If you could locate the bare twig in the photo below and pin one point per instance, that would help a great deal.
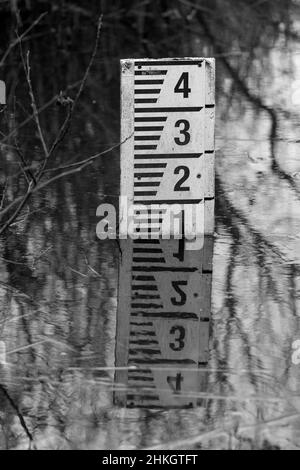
(34, 188)
(40, 110)
(10, 261)
(77, 272)
(22, 167)
(24, 199)
(90, 267)
(3, 195)
(19, 414)
(195, 6)
(78, 167)
(41, 255)
(33, 183)
(72, 104)
(84, 79)
(20, 38)
(93, 157)
(27, 70)
(29, 176)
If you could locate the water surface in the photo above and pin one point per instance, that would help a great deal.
(58, 282)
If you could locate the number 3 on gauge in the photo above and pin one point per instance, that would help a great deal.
(184, 127)
(178, 343)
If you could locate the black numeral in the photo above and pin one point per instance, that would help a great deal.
(178, 344)
(186, 173)
(180, 253)
(184, 132)
(175, 383)
(176, 286)
(183, 85)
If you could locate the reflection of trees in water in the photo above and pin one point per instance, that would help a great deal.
(69, 276)
(254, 325)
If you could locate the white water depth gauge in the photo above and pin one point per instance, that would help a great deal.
(167, 166)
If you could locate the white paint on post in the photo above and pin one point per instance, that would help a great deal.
(167, 158)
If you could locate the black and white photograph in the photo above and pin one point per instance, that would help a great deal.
(149, 228)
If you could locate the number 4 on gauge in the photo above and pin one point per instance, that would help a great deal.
(183, 85)
(175, 383)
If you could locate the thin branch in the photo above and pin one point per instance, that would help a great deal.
(72, 104)
(24, 166)
(77, 272)
(40, 110)
(90, 267)
(33, 184)
(14, 290)
(19, 414)
(24, 199)
(93, 157)
(59, 138)
(85, 77)
(80, 166)
(73, 171)
(3, 195)
(10, 261)
(22, 169)
(34, 188)
(196, 7)
(27, 70)
(19, 38)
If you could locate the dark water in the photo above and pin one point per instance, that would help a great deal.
(58, 282)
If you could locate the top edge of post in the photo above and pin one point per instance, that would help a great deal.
(149, 59)
(173, 60)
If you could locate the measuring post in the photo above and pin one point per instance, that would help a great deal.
(167, 180)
